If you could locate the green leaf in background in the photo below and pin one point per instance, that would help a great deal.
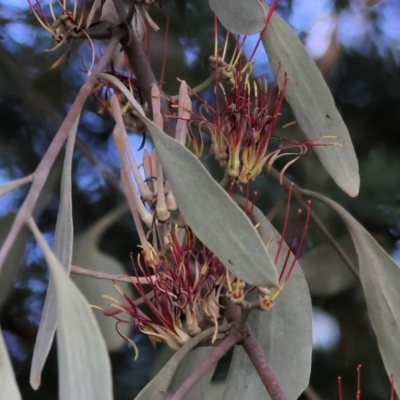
(284, 334)
(312, 103)
(238, 16)
(63, 239)
(380, 279)
(325, 271)
(215, 219)
(87, 254)
(8, 386)
(84, 366)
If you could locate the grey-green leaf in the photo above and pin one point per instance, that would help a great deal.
(84, 366)
(380, 279)
(215, 219)
(238, 16)
(284, 334)
(63, 240)
(312, 103)
(9, 388)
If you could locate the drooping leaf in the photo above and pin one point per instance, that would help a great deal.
(87, 254)
(325, 272)
(238, 16)
(8, 386)
(215, 219)
(84, 366)
(312, 103)
(284, 334)
(380, 279)
(63, 249)
(157, 388)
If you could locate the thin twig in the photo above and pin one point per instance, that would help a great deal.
(233, 337)
(42, 171)
(257, 356)
(111, 277)
(197, 89)
(298, 192)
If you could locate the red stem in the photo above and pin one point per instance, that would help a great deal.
(257, 356)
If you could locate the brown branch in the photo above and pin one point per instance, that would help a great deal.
(257, 356)
(233, 337)
(141, 68)
(42, 171)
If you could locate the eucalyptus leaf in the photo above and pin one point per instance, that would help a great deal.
(215, 219)
(8, 386)
(157, 388)
(380, 279)
(312, 103)
(238, 16)
(63, 240)
(84, 366)
(284, 333)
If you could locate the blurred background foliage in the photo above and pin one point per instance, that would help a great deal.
(358, 51)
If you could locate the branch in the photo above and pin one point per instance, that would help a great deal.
(257, 356)
(111, 277)
(141, 68)
(233, 337)
(42, 171)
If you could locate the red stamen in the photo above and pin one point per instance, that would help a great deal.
(391, 386)
(286, 220)
(148, 45)
(302, 239)
(255, 196)
(267, 21)
(165, 46)
(290, 246)
(340, 389)
(358, 395)
(216, 55)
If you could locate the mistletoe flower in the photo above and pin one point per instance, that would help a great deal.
(185, 285)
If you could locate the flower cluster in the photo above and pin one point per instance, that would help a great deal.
(243, 129)
(181, 287)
